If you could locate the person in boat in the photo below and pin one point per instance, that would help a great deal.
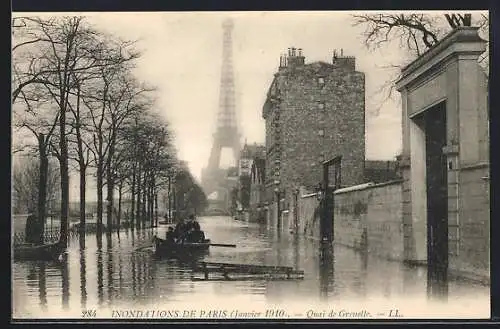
(180, 230)
(196, 235)
(186, 230)
(193, 223)
(170, 236)
(32, 231)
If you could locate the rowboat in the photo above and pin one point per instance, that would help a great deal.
(173, 250)
(50, 251)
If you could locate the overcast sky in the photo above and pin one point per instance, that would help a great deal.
(182, 57)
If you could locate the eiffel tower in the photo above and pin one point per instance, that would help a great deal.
(226, 134)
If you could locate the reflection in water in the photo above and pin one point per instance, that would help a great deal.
(134, 283)
(100, 292)
(360, 276)
(65, 281)
(42, 286)
(83, 275)
(326, 271)
(136, 276)
(296, 251)
(120, 268)
(437, 284)
(363, 273)
(109, 267)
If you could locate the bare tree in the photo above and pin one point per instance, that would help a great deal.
(128, 98)
(113, 54)
(84, 76)
(26, 183)
(64, 50)
(148, 163)
(36, 115)
(415, 33)
(119, 96)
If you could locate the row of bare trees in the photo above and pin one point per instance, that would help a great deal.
(74, 91)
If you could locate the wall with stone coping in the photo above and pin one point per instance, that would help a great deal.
(368, 217)
(470, 255)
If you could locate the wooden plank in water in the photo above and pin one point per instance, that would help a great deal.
(234, 265)
(248, 270)
(248, 278)
(223, 245)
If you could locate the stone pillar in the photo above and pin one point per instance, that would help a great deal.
(449, 73)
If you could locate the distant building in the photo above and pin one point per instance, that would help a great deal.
(257, 187)
(250, 154)
(313, 112)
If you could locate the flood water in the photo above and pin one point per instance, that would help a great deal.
(119, 271)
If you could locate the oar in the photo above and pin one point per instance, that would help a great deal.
(223, 245)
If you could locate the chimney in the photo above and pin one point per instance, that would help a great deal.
(295, 57)
(343, 62)
(283, 62)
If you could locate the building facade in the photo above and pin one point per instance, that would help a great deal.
(258, 209)
(248, 155)
(313, 112)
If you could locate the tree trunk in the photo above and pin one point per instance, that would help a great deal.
(81, 163)
(174, 203)
(151, 206)
(109, 198)
(143, 204)
(169, 198)
(147, 200)
(99, 195)
(132, 195)
(82, 196)
(110, 176)
(156, 208)
(138, 212)
(118, 217)
(64, 177)
(42, 186)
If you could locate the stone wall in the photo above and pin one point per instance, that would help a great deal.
(322, 120)
(471, 253)
(367, 217)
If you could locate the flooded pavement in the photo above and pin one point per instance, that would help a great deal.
(119, 271)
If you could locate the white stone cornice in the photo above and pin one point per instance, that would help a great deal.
(463, 40)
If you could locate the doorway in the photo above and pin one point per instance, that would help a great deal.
(434, 121)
